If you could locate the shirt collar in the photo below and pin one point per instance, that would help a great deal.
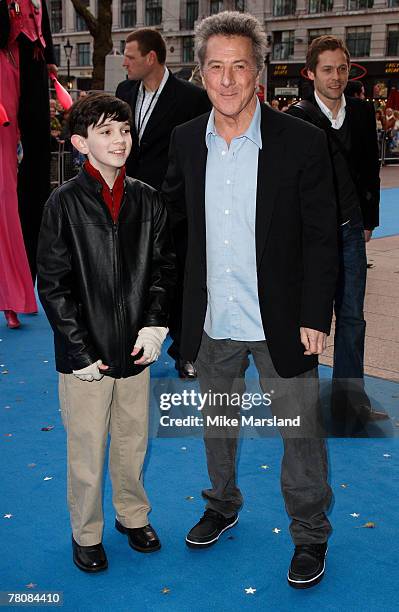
(327, 111)
(252, 133)
(160, 86)
(99, 177)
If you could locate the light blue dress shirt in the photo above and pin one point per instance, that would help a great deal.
(230, 209)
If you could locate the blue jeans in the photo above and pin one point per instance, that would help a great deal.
(350, 329)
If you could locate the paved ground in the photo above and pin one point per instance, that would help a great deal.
(382, 301)
(389, 176)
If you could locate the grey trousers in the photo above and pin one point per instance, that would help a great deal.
(90, 411)
(221, 366)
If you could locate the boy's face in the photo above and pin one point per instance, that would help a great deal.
(107, 144)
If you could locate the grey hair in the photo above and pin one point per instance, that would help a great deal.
(231, 23)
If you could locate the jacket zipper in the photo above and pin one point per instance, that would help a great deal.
(120, 310)
(119, 305)
(113, 203)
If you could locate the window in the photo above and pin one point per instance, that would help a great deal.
(215, 6)
(359, 5)
(393, 3)
(320, 6)
(188, 49)
(284, 7)
(312, 34)
(128, 13)
(79, 21)
(84, 58)
(57, 54)
(153, 12)
(122, 45)
(358, 41)
(191, 14)
(240, 5)
(393, 40)
(56, 16)
(283, 45)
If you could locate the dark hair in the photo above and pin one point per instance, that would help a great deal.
(95, 109)
(321, 44)
(353, 88)
(149, 40)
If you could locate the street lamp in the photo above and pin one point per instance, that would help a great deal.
(68, 53)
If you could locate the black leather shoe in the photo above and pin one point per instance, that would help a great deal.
(209, 529)
(89, 558)
(307, 565)
(186, 369)
(143, 539)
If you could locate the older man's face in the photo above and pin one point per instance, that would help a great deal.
(230, 74)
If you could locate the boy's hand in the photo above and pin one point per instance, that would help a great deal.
(91, 372)
(150, 340)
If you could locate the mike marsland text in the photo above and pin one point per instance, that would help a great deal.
(224, 421)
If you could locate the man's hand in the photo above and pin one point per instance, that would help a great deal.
(367, 235)
(52, 69)
(149, 339)
(313, 340)
(91, 372)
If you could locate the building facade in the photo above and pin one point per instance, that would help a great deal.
(369, 27)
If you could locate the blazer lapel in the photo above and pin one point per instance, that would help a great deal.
(198, 177)
(135, 93)
(165, 102)
(270, 166)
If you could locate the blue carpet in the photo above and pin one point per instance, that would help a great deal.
(35, 541)
(389, 217)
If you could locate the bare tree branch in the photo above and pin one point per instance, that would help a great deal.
(86, 14)
(101, 30)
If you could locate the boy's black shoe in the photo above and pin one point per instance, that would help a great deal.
(89, 558)
(143, 539)
(307, 565)
(209, 529)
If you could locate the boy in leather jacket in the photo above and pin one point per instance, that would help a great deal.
(105, 276)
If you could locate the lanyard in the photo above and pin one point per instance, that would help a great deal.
(141, 120)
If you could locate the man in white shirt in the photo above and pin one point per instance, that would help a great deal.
(350, 127)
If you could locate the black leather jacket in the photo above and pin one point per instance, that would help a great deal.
(100, 282)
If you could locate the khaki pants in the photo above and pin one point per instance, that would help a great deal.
(91, 411)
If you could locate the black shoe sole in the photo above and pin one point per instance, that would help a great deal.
(306, 584)
(124, 531)
(191, 544)
(89, 570)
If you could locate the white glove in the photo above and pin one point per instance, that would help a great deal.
(150, 339)
(90, 372)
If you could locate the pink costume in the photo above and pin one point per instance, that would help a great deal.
(16, 289)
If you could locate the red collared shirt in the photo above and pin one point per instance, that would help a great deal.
(112, 197)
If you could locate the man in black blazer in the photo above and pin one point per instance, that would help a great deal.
(255, 187)
(351, 131)
(159, 103)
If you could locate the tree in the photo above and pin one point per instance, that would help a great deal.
(100, 28)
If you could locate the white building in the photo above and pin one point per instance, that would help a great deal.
(370, 28)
